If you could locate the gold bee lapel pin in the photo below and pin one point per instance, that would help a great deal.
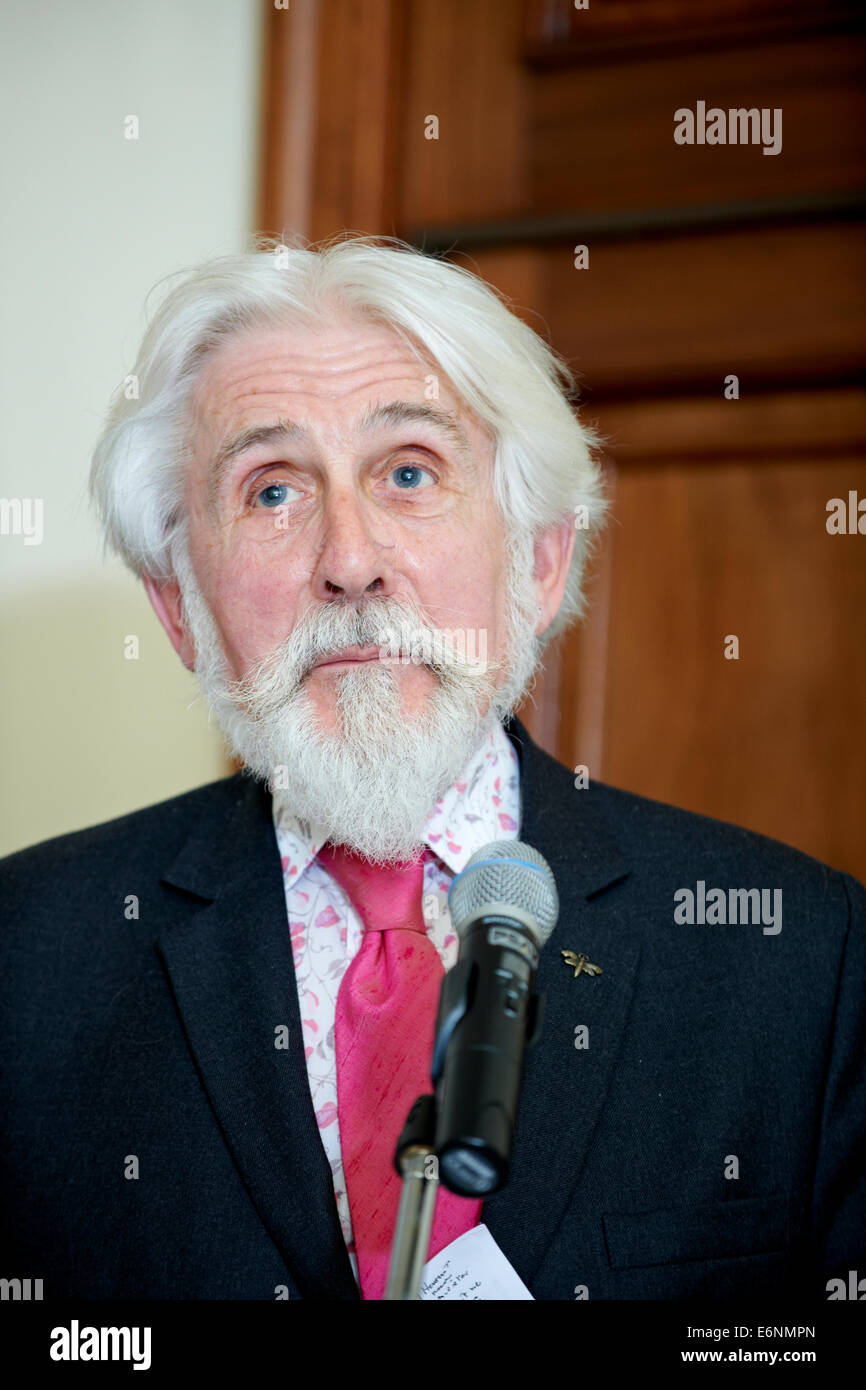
(580, 963)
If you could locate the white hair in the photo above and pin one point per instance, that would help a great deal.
(544, 471)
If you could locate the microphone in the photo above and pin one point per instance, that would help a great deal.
(504, 906)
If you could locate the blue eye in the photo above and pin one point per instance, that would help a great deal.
(274, 495)
(408, 475)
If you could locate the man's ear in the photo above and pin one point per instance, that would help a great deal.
(554, 548)
(164, 595)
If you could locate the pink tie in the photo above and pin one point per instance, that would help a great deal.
(385, 1021)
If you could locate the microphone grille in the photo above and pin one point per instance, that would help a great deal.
(506, 873)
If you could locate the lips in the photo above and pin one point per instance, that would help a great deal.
(356, 655)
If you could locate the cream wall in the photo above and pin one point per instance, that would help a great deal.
(92, 221)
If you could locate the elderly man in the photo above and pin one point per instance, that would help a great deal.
(360, 501)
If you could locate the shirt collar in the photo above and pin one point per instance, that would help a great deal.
(481, 806)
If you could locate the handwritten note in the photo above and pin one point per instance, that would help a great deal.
(472, 1266)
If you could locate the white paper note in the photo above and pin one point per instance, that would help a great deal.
(472, 1266)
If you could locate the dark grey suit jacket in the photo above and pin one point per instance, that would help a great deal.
(712, 1050)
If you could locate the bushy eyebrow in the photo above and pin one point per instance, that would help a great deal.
(413, 412)
(282, 431)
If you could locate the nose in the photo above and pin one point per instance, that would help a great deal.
(353, 561)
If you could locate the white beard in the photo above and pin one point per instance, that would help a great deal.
(373, 785)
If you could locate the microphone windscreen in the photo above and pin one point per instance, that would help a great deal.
(502, 876)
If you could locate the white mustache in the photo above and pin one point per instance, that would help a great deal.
(325, 632)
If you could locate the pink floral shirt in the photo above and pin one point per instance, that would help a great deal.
(483, 805)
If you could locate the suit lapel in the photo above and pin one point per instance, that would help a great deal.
(233, 977)
(564, 1088)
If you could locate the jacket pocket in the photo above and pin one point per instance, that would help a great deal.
(717, 1231)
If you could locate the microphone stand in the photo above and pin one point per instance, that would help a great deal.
(417, 1202)
(417, 1146)
(505, 942)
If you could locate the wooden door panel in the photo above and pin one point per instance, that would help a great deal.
(776, 739)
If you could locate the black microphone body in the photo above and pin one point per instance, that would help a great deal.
(489, 1012)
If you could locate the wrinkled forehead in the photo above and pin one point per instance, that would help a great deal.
(337, 379)
(336, 360)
